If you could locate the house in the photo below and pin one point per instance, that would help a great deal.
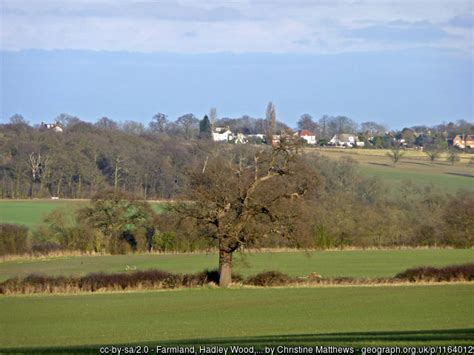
(241, 139)
(308, 136)
(346, 140)
(464, 141)
(54, 126)
(222, 134)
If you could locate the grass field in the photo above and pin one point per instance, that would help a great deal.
(32, 212)
(441, 314)
(413, 166)
(355, 263)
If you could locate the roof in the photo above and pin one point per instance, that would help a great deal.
(462, 136)
(344, 137)
(305, 132)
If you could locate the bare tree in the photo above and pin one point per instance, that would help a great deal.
(270, 120)
(432, 153)
(213, 116)
(158, 123)
(39, 166)
(242, 196)
(453, 156)
(189, 123)
(306, 122)
(395, 154)
(117, 169)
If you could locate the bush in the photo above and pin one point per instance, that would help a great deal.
(269, 278)
(13, 239)
(464, 272)
(46, 248)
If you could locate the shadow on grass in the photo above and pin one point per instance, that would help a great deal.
(463, 175)
(357, 339)
(381, 164)
(415, 163)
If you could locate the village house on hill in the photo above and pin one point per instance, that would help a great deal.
(53, 126)
(308, 136)
(346, 140)
(464, 141)
(222, 134)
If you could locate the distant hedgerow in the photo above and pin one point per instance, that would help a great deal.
(463, 272)
(270, 278)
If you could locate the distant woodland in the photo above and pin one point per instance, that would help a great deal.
(329, 205)
(151, 162)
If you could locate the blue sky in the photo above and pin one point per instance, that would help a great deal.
(398, 62)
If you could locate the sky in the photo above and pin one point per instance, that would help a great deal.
(400, 63)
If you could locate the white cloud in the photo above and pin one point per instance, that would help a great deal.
(236, 26)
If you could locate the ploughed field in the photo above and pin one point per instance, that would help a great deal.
(350, 263)
(360, 316)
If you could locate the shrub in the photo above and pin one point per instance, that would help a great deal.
(46, 248)
(148, 279)
(13, 239)
(269, 278)
(463, 272)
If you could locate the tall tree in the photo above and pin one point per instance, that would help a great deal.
(323, 127)
(158, 123)
(189, 123)
(373, 128)
(213, 116)
(270, 120)
(306, 122)
(18, 119)
(205, 128)
(241, 196)
(107, 124)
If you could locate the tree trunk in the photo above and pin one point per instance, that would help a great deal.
(225, 268)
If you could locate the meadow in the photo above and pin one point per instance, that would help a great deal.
(414, 166)
(356, 315)
(349, 263)
(402, 315)
(32, 212)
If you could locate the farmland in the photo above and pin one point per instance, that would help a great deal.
(441, 314)
(356, 315)
(414, 166)
(351, 263)
(32, 212)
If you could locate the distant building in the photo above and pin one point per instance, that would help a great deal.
(241, 139)
(53, 126)
(463, 141)
(222, 134)
(346, 140)
(308, 136)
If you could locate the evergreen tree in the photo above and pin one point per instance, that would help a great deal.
(205, 128)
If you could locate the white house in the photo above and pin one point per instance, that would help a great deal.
(308, 136)
(53, 126)
(222, 134)
(241, 139)
(346, 140)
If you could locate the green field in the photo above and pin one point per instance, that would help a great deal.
(32, 212)
(335, 315)
(356, 263)
(413, 166)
